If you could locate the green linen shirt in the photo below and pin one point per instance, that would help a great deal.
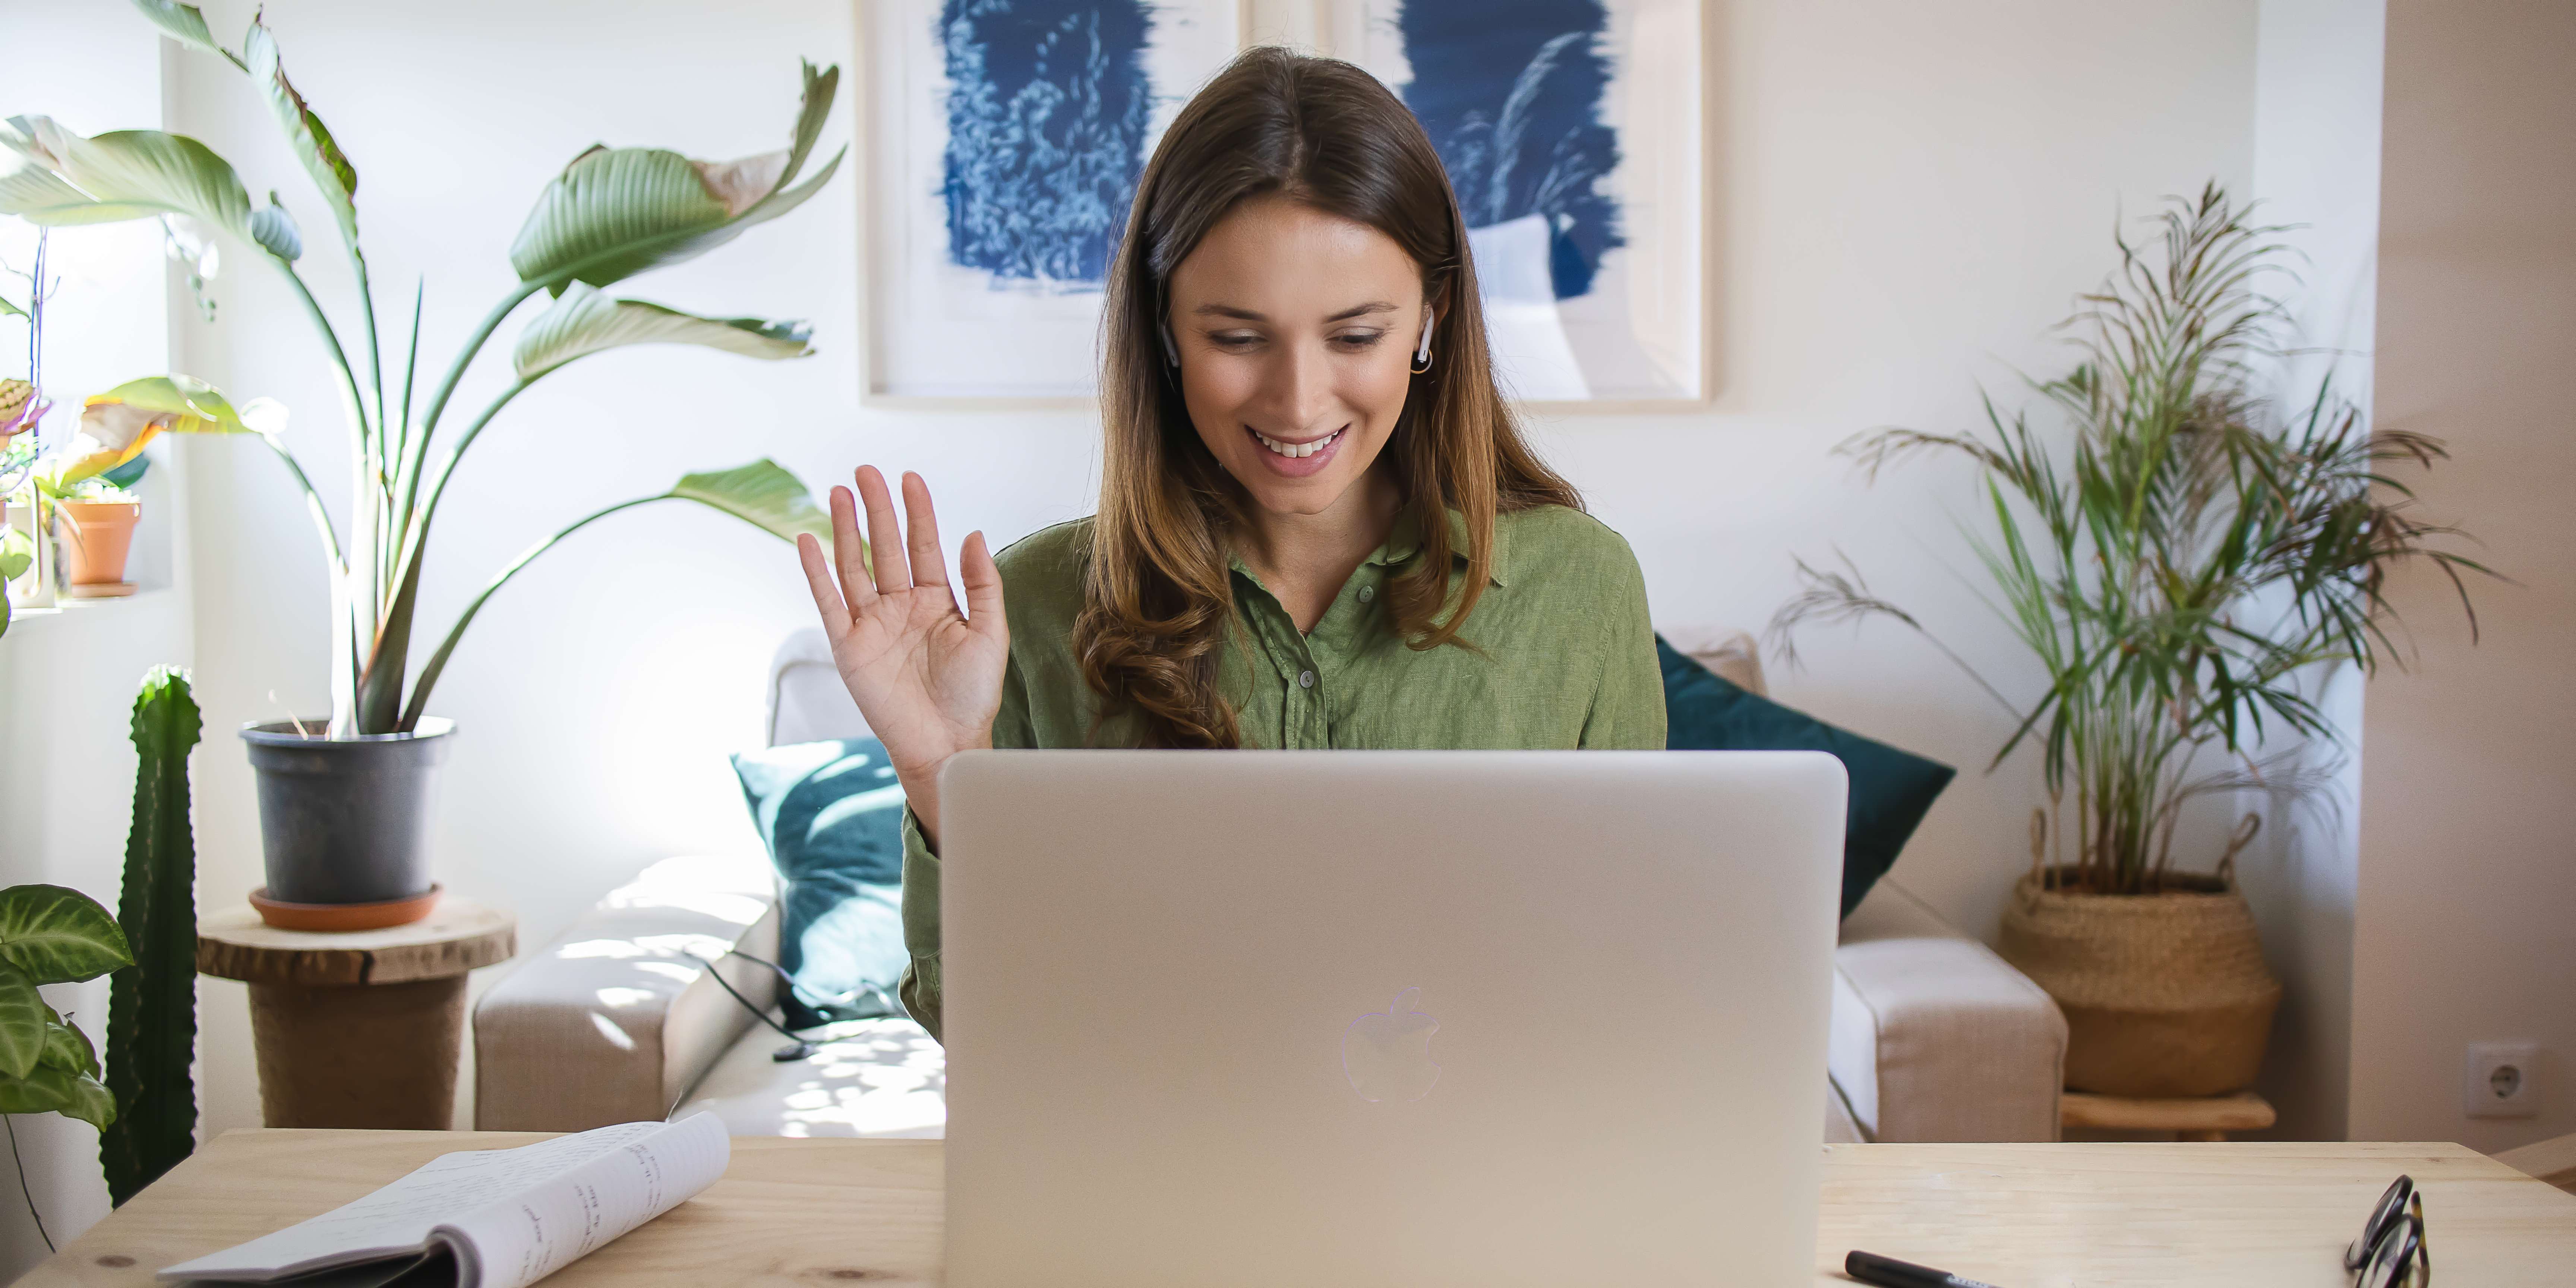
(1567, 661)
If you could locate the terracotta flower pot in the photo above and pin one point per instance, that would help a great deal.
(97, 536)
(2164, 994)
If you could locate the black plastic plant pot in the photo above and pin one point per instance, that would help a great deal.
(346, 820)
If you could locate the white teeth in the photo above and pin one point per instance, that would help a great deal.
(1296, 451)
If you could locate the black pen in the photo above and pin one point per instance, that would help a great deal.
(1888, 1272)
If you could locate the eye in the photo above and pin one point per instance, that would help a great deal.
(1354, 341)
(1233, 340)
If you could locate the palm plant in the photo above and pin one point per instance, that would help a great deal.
(2189, 559)
(611, 214)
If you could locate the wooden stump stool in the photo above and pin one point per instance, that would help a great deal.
(362, 1028)
(2202, 1118)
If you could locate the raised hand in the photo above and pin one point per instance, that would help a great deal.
(927, 677)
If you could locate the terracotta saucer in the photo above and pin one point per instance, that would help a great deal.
(330, 917)
(100, 590)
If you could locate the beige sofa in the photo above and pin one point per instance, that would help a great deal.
(628, 1016)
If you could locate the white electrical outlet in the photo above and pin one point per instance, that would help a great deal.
(2501, 1080)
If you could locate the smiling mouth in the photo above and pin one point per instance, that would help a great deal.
(1296, 451)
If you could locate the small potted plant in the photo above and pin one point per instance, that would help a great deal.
(94, 521)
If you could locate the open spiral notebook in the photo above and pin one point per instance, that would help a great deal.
(496, 1218)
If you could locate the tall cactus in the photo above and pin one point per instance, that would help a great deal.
(152, 1004)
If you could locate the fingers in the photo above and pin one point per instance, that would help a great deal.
(885, 533)
(818, 578)
(849, 553)
(983, 589)
(922, 539)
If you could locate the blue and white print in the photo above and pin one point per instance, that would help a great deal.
(1572, 132)
(1010, 135)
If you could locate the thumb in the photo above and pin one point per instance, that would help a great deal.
(983, 581)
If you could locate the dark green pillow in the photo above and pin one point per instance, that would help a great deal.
(832, 816)
(1891, 790)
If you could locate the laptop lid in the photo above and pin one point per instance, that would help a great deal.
(1386, 1018)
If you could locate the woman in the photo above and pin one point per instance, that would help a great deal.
(1318, 523)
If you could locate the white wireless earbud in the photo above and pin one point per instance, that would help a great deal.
(1422, 354)
(1171, 351)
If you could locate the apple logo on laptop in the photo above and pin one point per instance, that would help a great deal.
(1387, 1054)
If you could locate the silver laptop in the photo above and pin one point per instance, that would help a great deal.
(1381, 1019)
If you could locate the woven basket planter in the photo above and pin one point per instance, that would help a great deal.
(2164, 994)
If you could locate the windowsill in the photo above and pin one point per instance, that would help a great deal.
(34, 619)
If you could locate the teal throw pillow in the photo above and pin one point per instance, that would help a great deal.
(1891, 790)
(832, 816)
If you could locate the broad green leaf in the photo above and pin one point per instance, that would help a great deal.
(124, 419)
(16, 553)
(9, 310)
(305, 133)
(585, 322)
(763, 494)
(68, 1049)
(128, 474)
(184, 23)
(46, 1089)
(813, 108)
(23, 1016)
(55, 935)
(616, 212)
(33, 193)
(123, 174)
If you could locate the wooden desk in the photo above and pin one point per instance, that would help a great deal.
(2023, 1216)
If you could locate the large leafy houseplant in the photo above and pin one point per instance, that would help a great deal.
(611, 214)
(51, 935)
(2183, 559)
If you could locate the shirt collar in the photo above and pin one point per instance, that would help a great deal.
(1404, 540)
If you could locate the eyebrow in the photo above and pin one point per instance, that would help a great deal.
(1247, 315)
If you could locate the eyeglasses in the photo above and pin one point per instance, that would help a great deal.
(2390, 1252)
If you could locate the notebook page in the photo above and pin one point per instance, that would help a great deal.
(400, 1217)
(536, 1232)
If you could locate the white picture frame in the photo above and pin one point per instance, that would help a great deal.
(1639, 333)
(990, 317)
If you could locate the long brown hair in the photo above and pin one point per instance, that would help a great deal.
(1159, 604)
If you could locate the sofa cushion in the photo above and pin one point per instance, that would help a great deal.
(1891, 790)
(1933, 1037)
(831, 814)
(882, 1077)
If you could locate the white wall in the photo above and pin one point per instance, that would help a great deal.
(68, 678)
(2316, 168)
(1907, 196)
(2467, 925)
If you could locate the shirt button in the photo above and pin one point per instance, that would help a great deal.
(1305, 679)
(1367, 593)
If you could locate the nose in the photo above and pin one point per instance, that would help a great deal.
(1300, 387)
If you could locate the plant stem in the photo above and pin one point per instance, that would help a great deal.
(313, 504)
(350, 397)
(438, 660)
(419, 446)
(22, 1183)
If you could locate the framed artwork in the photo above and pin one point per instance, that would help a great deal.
(1574, 132)
(1004, 139)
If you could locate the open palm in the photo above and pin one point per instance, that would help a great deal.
(927, 676)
